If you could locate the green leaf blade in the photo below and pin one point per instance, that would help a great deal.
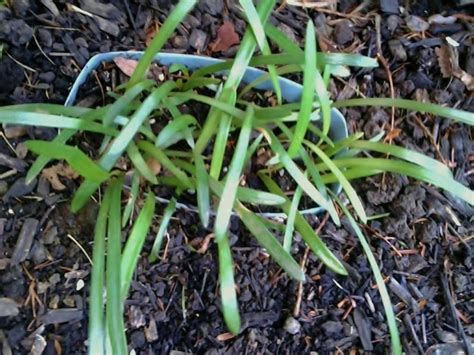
(226, 203)
(135, 242)
(269, 242)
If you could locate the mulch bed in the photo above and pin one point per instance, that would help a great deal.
(424, 246)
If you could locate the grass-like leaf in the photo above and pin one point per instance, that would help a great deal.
(308, 162)
(301, 179)
(165, 32)
(202, 189)
(247, 195)
(168, 213)
(140, 164)
(174, 131)
(79, 161)
(120, 143)
(227, 199)
(409, 155)
(114, 306)
(290, 221)
(54, 121)
(127, 211)
(134, 244)
(309, 82)
(269, 242)
(379, 280)
(230, 306)
(306, 231)
(254, 21)
(229, 94)
(97, 330)
(346, 185)
(52, 109)
(408, 169)
(163, 159)
(227, 108)
(324, 59)
(448, 112)
(124, 101)
(107, 113)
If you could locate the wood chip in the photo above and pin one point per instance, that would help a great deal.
(24, 241)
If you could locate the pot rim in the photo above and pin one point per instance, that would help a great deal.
(291, 91)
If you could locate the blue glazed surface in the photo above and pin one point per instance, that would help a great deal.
(291, 92)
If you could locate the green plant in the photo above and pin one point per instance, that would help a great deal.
(182, 147)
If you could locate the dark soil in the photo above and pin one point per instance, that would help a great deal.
(424, 246)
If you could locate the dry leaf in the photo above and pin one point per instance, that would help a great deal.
(448, 60)
(205, 244)
(150, 32)
(226, 37)
(225, 336)
(127, 66)
(52, 175)
(444, 60)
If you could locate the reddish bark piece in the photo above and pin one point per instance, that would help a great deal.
(226, 37)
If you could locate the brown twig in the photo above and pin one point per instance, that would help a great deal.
(431, 138)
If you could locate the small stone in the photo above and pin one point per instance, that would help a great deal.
(292, 326)
(393, 21)
(136, 317)
(421, 80)
(54, 279)
(47, 77)
(51, 236)
(39, 344)
(180, 42)
(416, 24)
(54, 302)
(3, 187)
(20, 7)
(389, 6)
(137, 339)
(14, 131)
(213, 7)
(69, 301)
(42, 287)
(45, 37)
(17, 32)
(81, 42)
(21, 151)
(332, 327)
(39, 253)
(80, 285)
(5, 13)
(8, 307)
(397, 50)
(151, 332)
(198, 39)
(343, 32)
(446, 337)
